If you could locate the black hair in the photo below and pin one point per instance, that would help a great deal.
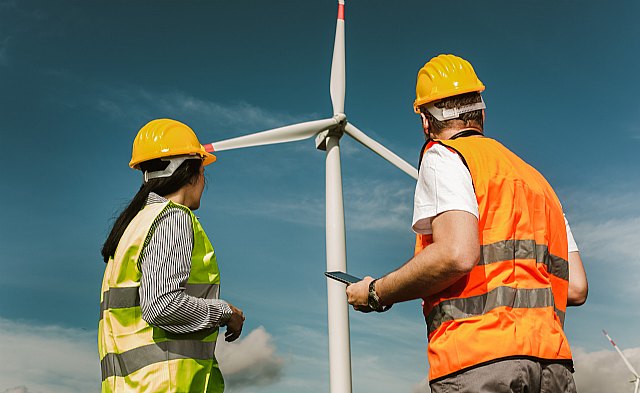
(465, 120)
(186, 173)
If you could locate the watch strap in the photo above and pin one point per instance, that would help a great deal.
(374, 300)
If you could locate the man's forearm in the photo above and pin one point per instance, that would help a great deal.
(454, 252)
(429, 272)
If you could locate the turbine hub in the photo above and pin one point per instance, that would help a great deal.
(337, 130)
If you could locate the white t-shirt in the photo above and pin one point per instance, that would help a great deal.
(444, 184)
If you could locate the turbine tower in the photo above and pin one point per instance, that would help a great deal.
(636, 379)
(327, 133)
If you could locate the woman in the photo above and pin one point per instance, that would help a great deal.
(159, 311)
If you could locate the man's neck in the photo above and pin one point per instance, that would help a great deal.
(449, 132)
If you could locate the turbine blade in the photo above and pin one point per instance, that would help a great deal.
(381, 150)
(294, 132)
(629, 366)
(338, 78)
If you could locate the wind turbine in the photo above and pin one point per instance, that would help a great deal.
(327, 133)
(636, 379)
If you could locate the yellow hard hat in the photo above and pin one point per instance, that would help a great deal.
(445, 76)
(162, 138)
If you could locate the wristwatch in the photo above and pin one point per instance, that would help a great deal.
(373, 302)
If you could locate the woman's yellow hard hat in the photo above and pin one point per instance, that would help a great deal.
(162, 138)
(445, 76)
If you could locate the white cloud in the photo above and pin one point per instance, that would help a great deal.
(601, 200)
(376, 205)
(17, 389)
(215, 120)
(368, 205)
(250, 361)
(53, 359)
(307, 367)
(388, 354)
(614, 239)
(394, 329)
(604, 371)
(421, 387)
(221, 119)
(47, 359)
(596, 372)
(237, 117)
(389, 351)
(298, 209)
(605, 222)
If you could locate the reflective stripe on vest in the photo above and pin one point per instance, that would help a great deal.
(136, 356)
(513, 301)
(459, 308)
(507, 250)
(130, 297)
(123, 364)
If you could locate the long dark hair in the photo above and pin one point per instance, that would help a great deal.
(186, 173)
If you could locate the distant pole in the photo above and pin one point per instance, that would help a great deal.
(636, 379)
(338, 312)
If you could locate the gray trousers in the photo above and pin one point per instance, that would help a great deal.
(515, 375)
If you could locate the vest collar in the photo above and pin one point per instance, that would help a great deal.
(467, 132)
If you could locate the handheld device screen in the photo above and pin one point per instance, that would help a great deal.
(342, 277)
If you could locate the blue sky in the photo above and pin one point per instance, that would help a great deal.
(78, 79)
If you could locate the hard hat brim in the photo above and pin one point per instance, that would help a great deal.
(207, 158)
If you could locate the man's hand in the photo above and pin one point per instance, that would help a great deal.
(358, 294)
(234, 325)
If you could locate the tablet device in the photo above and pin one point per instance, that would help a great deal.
(342, 277)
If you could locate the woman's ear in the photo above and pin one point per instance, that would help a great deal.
(425, 124)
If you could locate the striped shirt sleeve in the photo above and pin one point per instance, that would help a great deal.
(165, 262)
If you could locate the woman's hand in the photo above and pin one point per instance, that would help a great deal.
(234, 325)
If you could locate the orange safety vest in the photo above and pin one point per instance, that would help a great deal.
(512, 303)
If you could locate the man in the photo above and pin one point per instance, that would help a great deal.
(495, 262)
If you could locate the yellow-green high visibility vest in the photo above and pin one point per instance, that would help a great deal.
(138, 357)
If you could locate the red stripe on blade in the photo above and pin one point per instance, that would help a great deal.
(209, 148)
(341, 11)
